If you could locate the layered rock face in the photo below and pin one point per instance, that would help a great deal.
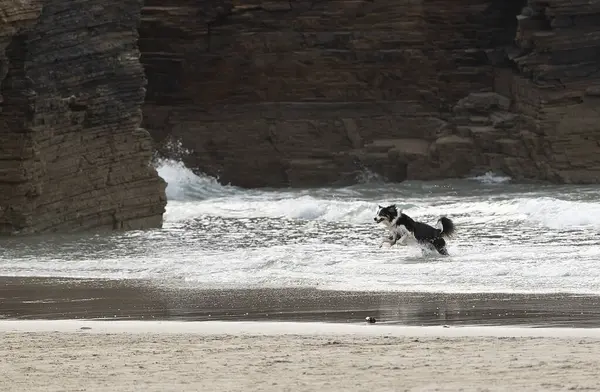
(72, 153)
(541, 120)
(557, 91)
(308, 93)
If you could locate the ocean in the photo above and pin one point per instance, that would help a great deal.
(511, 238)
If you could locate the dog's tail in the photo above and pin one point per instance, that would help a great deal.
(447, 227)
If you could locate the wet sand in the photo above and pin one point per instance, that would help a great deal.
(51, 298)
(61, 335)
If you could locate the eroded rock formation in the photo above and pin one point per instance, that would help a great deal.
(72, 153)
(310, 92)
(542, 120)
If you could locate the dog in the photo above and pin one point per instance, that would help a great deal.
(402, 227)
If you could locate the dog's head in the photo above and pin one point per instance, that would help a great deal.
(387, 214)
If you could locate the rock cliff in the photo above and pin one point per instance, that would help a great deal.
(295, 92)
(72, 153)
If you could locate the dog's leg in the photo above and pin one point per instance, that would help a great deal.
(403, 235)
(390, 240)
(440, 245)
(403, 240)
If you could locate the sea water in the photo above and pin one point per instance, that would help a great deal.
(510, 237)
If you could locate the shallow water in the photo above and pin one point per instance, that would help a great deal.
(510, 238)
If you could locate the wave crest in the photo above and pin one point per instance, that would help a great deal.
(191, 196)
(184, 184)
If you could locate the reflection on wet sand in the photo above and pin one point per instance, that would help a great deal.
(51, 298)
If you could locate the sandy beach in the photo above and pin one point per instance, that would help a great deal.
(86, 335)
(73, 355)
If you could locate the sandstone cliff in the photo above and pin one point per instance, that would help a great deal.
(72, 153)
(310, 92)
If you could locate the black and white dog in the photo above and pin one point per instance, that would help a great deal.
(402, 227)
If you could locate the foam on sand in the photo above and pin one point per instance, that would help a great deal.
(284, 328)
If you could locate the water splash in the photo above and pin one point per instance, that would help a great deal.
(490, 178)
(183, 184)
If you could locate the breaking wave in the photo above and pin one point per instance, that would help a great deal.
(191, 196)
(184, 184)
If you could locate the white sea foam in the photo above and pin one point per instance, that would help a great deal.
(510, 238)
(184, 184)
(491, 178)
(192, 196)
(549, 212)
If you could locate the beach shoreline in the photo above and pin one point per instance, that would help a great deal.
(98, 335)
(282, 328)
(88, 299)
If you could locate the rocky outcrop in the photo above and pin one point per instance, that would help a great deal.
(73, 155)
(541, 121)
(312, 92)
(557, 90)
